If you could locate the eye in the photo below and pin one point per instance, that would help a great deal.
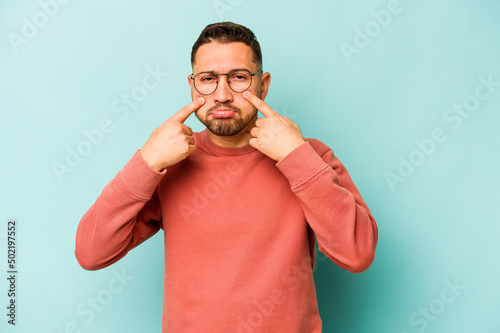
(239, 76)
(207, 78)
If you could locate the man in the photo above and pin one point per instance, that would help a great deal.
(240, 203)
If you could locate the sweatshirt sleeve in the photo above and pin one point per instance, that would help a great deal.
(126, 213)
(346, 231)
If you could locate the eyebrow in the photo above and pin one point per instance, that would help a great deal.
(232, 70)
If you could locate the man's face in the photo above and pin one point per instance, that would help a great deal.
(226, 112)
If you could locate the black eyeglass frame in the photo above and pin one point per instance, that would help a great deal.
(192, 77)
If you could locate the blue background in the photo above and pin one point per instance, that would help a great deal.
(438, 224)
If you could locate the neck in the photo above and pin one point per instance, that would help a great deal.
(234, 141)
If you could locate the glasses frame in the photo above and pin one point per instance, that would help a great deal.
(193, 77)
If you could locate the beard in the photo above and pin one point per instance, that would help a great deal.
(227, 126)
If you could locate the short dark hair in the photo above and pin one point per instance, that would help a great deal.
(228, 32)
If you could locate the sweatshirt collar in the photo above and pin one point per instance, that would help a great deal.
(215, 149)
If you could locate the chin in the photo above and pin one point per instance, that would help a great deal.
(226, 127)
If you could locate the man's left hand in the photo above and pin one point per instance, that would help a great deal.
(274, 135)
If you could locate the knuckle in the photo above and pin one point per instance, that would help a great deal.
(177, 129)
(184, 149)
(253, 142)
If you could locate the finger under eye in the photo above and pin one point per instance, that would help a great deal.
(265, 109)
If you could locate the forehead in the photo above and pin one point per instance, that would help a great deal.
(222, 57)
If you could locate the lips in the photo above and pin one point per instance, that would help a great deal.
(222, 113)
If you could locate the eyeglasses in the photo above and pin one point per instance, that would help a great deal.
(239, 80)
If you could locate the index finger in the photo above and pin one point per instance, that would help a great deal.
(260, 104)
(186, 111)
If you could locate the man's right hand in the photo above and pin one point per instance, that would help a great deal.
(172, 141)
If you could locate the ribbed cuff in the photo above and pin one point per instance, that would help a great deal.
(302, 164)
(137, 177)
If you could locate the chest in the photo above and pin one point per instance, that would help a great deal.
(217, 200)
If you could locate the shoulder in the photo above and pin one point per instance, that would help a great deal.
(318, 146)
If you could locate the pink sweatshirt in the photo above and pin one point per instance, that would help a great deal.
(239, 233)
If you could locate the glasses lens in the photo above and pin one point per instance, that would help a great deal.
(205, 83)
(240, 80)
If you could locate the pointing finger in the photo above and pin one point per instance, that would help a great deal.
(186, 111)
(260, 104)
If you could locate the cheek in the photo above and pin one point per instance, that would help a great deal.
(256, 89)
(195, 94)
(245, 106)
(203, 110)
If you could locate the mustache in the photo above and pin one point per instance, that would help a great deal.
(224, 106)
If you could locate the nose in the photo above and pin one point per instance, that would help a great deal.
(223, 93)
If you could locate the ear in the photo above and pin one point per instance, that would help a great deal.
(265, 83)
(190, 82)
